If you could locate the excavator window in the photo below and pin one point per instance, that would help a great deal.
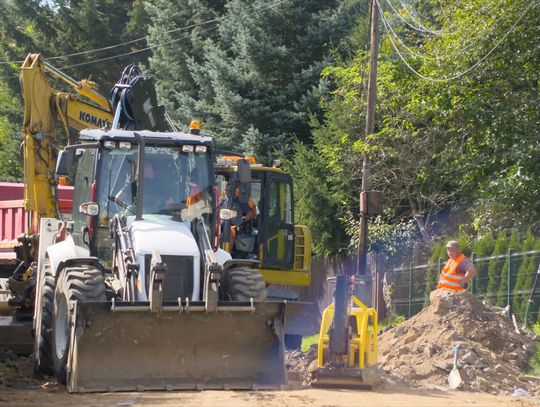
(172, 178)
(278, 223)
(84, 179)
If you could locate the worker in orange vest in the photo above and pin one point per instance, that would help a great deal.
(458, 270)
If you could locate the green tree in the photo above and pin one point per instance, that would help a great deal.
(483, 248)
(257, 80)
(444, 149)
(314, 205)
(523, 279)
(508, 269)
(495, 265)
(189, 24)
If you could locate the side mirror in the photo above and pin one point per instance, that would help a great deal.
(89, 208)
(244, 171)
(64, 162)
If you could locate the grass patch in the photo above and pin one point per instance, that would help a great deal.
(307, 341)
(391, 321)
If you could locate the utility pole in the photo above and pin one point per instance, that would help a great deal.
(370, 124)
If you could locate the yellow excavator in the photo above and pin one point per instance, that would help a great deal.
(271, 239)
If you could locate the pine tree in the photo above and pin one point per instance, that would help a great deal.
(494, 267)
(181, 29)
(507, 271)
(523, 279)
(256, 82)
(483, 248)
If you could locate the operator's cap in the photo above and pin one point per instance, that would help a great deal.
(453, 244)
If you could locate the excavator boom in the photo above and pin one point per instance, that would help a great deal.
(43, 108)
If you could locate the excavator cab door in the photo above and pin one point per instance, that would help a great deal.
(277, 222)
(83, 224)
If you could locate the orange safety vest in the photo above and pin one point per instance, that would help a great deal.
(450, 278)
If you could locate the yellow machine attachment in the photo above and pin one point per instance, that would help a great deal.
(43, 107)
(347, 352)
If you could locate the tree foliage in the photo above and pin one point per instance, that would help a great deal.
(444, 152)
(254, 81)
(56, 28)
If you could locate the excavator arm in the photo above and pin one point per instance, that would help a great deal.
(44, 107)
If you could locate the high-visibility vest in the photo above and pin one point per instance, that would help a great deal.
(450, 278)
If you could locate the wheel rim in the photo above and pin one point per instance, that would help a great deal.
(61, 326)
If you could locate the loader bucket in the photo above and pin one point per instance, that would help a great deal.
(121, 348)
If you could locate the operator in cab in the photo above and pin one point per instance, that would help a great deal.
(246, 218)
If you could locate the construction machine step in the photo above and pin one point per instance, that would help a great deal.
(125, 347)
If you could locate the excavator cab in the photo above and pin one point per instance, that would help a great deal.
(281, 248)
(269, 236)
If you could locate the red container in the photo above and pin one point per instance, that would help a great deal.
(14, 220)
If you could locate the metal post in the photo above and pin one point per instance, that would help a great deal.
(370, 125)
(473, 281)
(509, 280)
(410, 288)
(439, 267)
(140, 177)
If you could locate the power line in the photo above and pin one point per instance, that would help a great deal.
(421, 28)
(267, 7)
(134, 52)
(413, 18)
(256, 9)
(460, 74)
(132, 41)
(107, 48)
(463, 48)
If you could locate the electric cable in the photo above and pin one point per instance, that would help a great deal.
(414, 19)
(459, 50)
(459, 74)
(421, 29)
(261, 8)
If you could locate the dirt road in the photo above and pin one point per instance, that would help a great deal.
(57, 396)
(18, 389)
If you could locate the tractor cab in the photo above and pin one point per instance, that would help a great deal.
(142, 176)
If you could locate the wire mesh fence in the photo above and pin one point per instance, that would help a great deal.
(506, 281)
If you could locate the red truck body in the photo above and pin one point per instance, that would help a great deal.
(15, 220)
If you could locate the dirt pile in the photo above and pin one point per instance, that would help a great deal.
(15, 371)
(493, 358)
(300, 365)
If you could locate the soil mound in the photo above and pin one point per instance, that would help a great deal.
(493, 357)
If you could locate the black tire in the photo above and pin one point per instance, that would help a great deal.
(42, 355)
(78, 283)
(242, 284)
(293, 342)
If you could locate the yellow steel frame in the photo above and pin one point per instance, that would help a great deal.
(363, 345)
